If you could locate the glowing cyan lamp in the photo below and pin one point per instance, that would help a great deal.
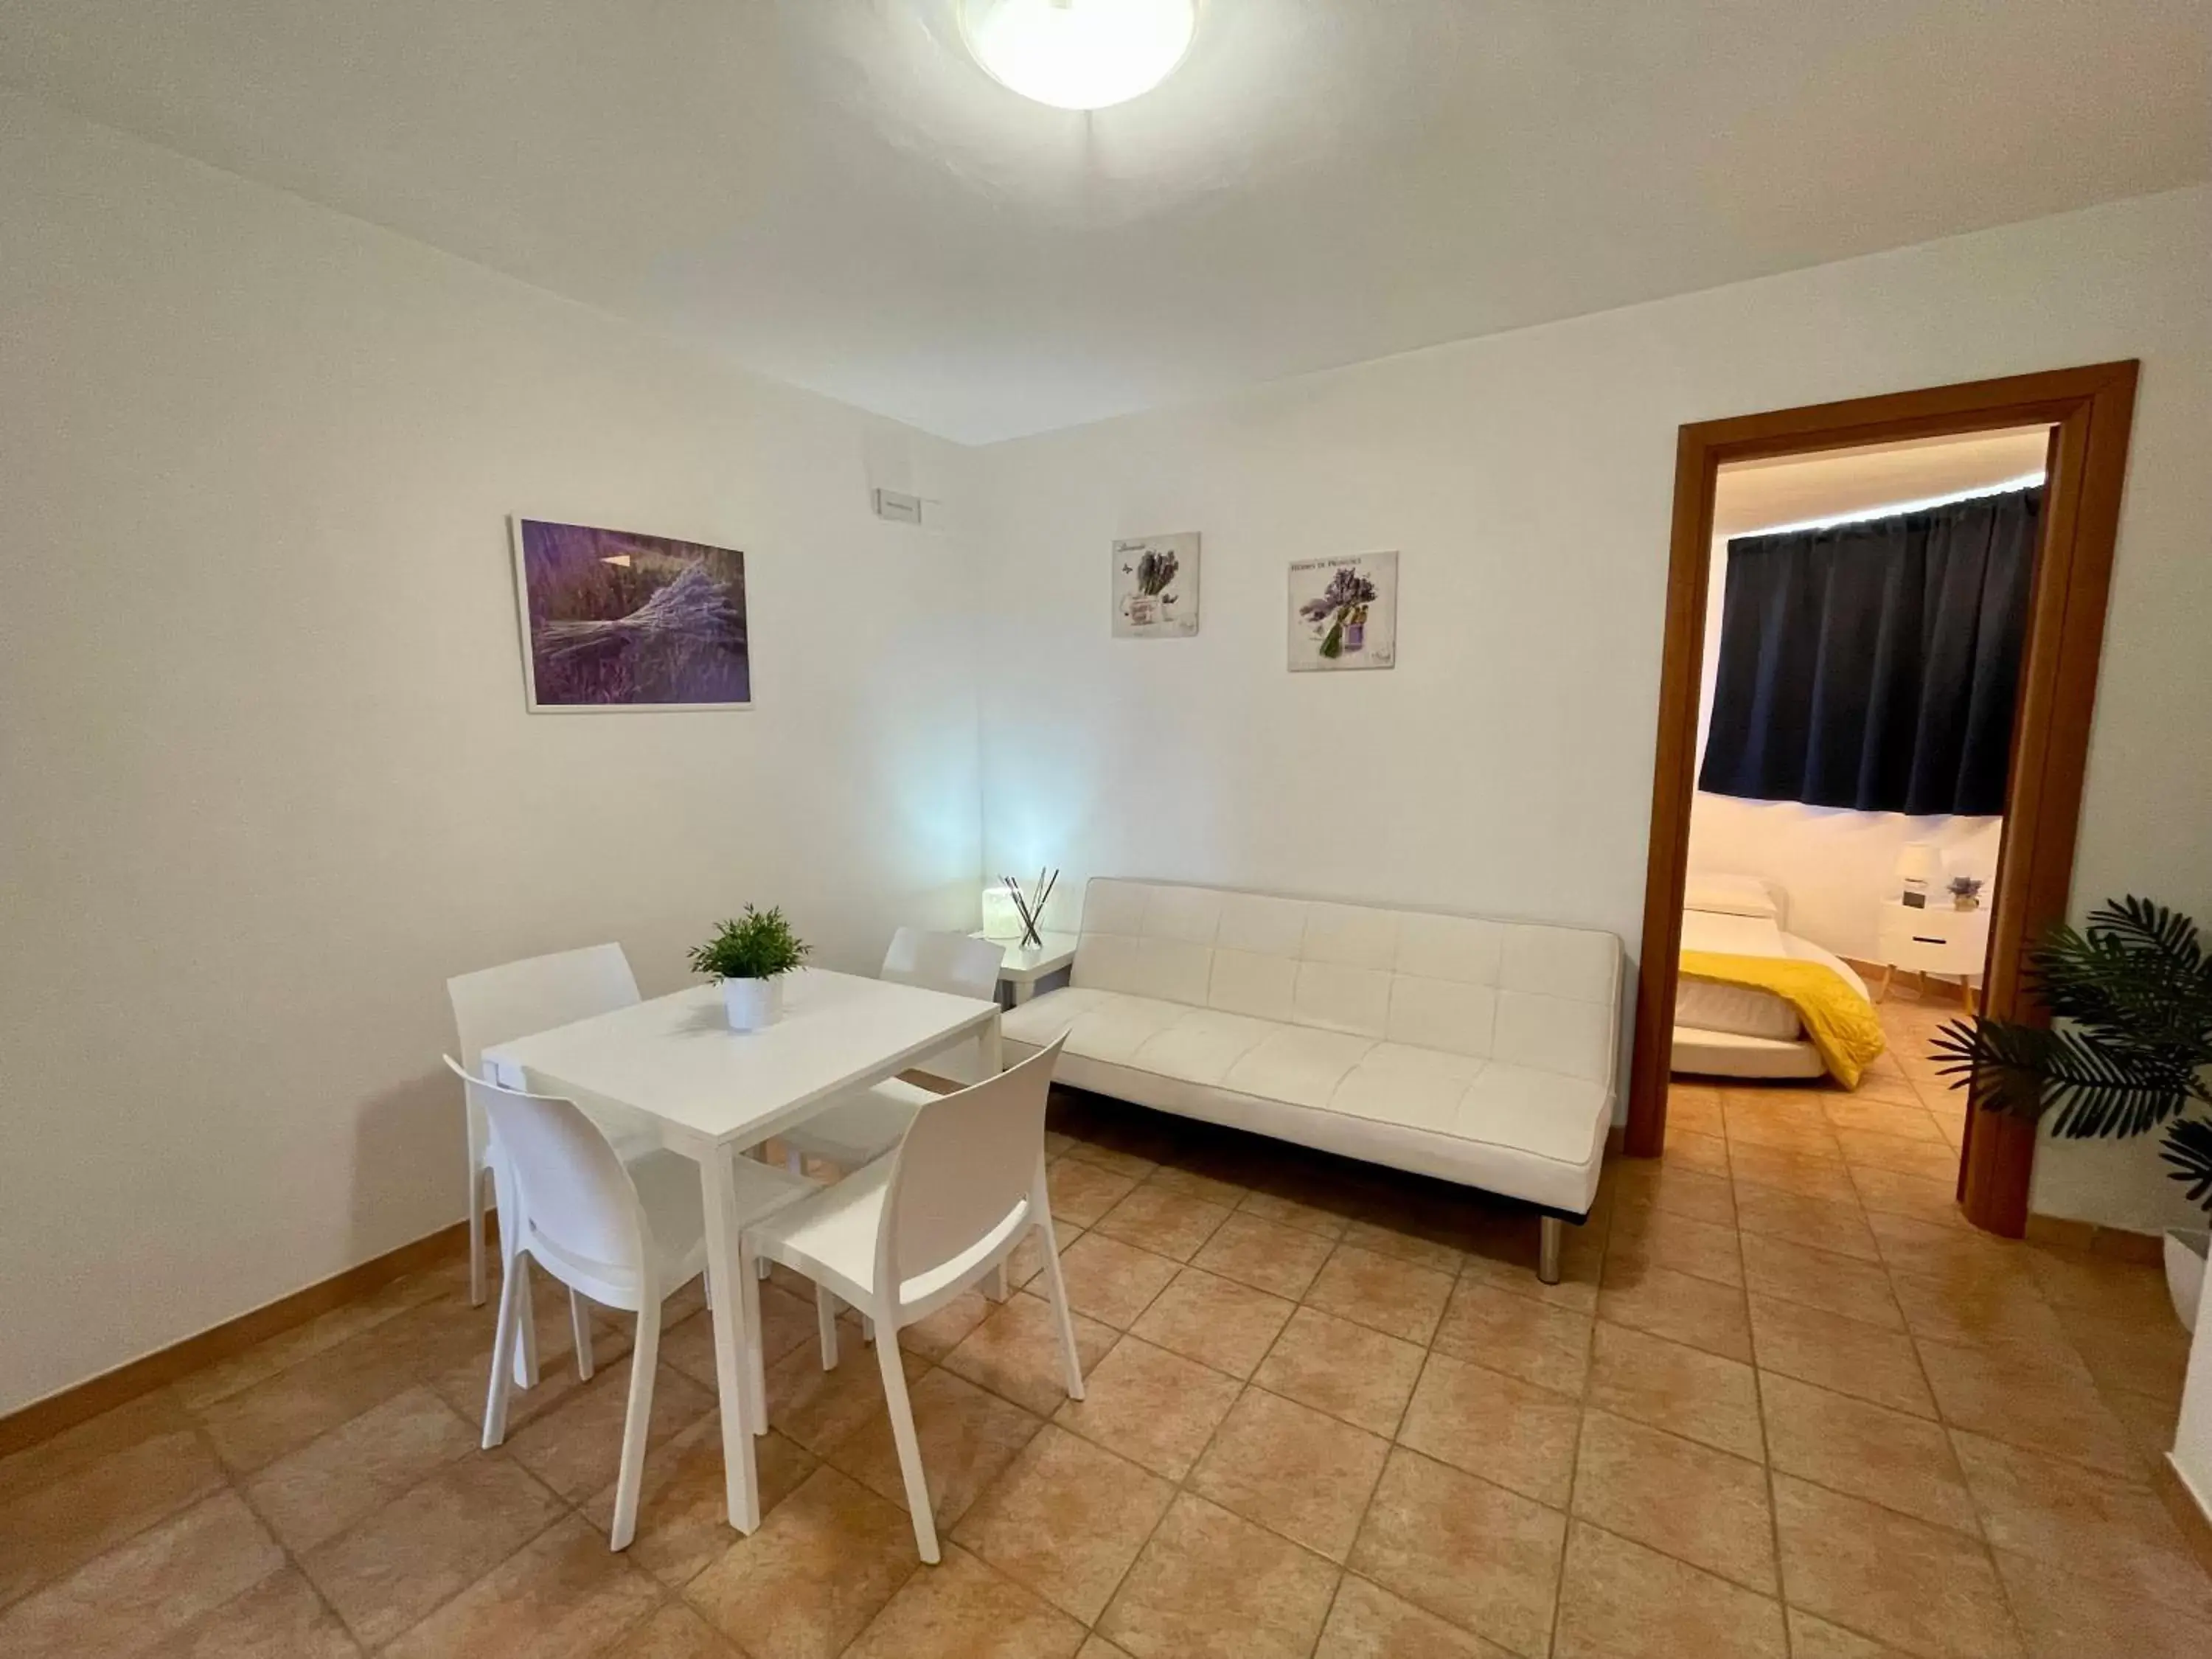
(1002, 917)
(1078, 54)
(1027, 908)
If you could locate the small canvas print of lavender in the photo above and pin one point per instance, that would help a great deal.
(1342, 610)
(1156, 585)
(620, 620)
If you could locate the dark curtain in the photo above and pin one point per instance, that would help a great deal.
(1872, 664)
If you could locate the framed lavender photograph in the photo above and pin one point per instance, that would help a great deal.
(1343, 612)
(1156, 586)
(615, 620)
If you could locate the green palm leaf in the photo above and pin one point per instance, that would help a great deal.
(2031, 1070)
(2133, 993)
(2149, 927)
(2189, 1149)
(2127, 992)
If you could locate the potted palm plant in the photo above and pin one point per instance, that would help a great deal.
(2132, 994)
(749, 957)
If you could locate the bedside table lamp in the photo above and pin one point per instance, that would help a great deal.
(1002, 917)
(1919, 868)
(1009, 913)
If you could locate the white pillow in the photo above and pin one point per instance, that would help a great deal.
(1732, 936)
(1729, 896)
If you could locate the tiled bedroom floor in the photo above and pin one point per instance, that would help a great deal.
(1785, 1403)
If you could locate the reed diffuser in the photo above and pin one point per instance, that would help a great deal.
(1029, 905)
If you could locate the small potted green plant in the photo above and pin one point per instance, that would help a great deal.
(749, 957)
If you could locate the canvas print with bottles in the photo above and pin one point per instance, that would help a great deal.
(1343, 612)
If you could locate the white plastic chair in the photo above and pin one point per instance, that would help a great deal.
(907, 1233)
(865, 1125)
(623, 1233)
(519, 998)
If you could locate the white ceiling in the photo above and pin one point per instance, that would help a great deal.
(830, 192)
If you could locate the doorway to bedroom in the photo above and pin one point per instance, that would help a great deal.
(1882, 638)
(1864, 621)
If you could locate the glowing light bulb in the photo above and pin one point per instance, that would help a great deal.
(1078, 54)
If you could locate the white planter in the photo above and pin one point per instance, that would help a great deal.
(2186, 1248)
(753, 1004)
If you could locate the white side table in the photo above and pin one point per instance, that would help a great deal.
(1026, 965)
(1940, 939)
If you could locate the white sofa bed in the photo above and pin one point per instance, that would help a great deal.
(1481, 1052)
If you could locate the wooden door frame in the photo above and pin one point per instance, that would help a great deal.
(2091, 409)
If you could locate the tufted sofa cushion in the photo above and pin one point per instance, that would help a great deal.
(1479, 1051)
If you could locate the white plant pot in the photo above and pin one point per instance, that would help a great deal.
(2186, 1248)
(753, 1004)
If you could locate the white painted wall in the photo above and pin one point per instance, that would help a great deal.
(1836, 866)
(1504, 765)
(265, 774)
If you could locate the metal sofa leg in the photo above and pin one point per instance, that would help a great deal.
(1547, 1257)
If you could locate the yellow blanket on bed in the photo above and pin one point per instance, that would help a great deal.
(1840, 1021)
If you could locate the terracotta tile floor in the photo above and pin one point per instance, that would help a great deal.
(1783, 1403)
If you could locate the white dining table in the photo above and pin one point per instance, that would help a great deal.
(672, 1067)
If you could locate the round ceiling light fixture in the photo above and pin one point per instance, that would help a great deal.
(1078, 54)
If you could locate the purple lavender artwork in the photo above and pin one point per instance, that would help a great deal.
(1343, 612)
(616, 620)
(1156, 586)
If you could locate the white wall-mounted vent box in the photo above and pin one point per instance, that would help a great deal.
(897, 507)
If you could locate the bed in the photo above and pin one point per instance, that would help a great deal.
(1738, 1031)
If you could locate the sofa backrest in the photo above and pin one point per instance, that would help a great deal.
(1523, 994)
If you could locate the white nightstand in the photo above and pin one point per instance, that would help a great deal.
(1026, 965)
(1940, 939)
